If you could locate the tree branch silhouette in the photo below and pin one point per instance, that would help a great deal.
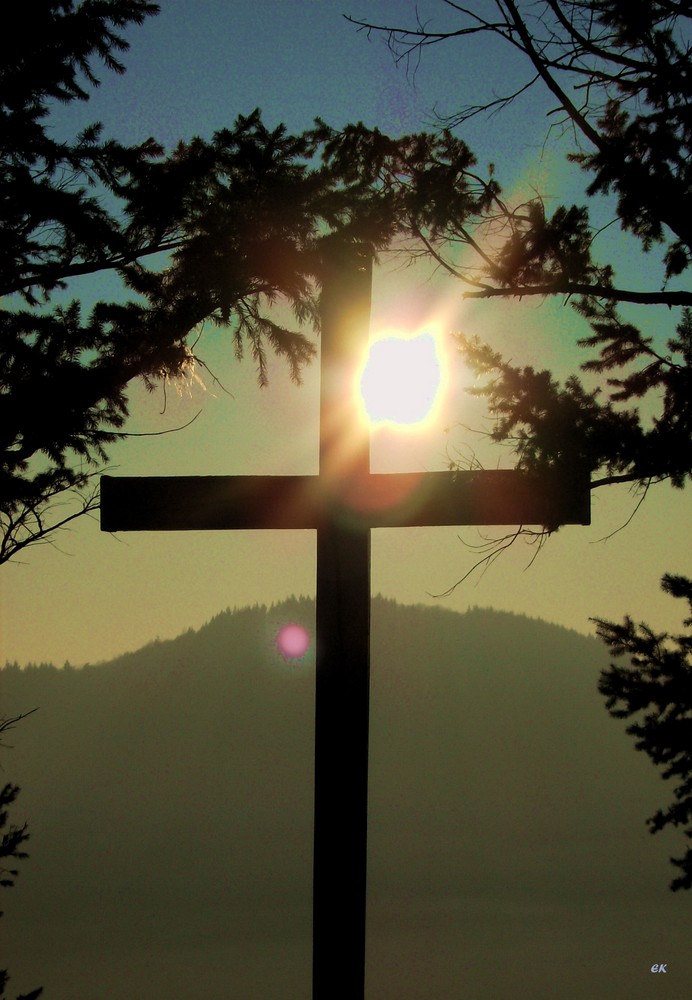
(619, 76)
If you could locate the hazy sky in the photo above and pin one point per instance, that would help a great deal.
(192, 70)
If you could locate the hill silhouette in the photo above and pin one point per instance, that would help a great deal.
(169, 797)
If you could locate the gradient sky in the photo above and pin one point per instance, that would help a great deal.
(192, 70)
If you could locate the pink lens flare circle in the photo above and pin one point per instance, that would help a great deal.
(292, 642)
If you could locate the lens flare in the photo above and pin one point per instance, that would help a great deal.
(293, 642)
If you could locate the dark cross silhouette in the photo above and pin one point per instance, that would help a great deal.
(342, 503)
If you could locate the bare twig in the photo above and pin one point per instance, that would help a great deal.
(492, 549)
(9, 723)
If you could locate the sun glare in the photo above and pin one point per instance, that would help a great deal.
(401, 380)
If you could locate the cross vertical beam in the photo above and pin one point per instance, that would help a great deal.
(342, 686)
(343, 503)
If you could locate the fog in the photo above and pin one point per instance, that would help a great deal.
(169, 801)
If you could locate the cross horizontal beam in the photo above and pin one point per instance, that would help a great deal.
(204, 503)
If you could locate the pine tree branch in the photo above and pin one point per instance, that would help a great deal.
(51, 275)
(628, 477)
(670, 299)
(588, 45)
(539, 64)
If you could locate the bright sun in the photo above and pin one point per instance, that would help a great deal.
(401, 380)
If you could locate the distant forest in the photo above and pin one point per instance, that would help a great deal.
(169, 792)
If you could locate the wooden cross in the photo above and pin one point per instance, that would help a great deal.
(343, 503)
